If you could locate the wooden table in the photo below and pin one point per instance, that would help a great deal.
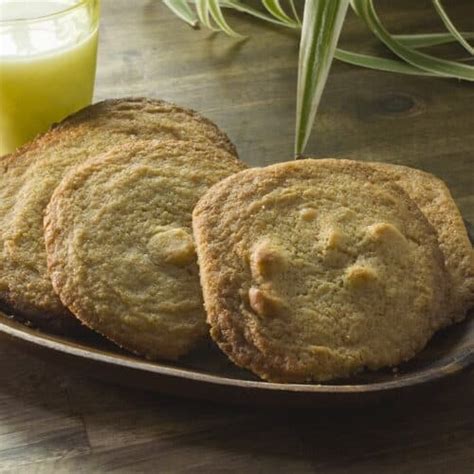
(54, 421)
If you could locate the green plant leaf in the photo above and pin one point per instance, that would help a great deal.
(378, 63)
(322, 24)
(218, 17)
(294, 11)
(321, 28)
(413, 40)
(451, 27)
(393, 65)
(182, 10)
(430, 39)
(274, 7)
(243, 8)
(355, 7)
(429, 63)
(239, 6)
(204, 14)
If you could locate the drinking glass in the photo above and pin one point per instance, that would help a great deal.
(48, 54)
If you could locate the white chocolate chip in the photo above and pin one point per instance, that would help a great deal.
(308, 214)
(266, 260)
(263, 304)
(172, 246)
(385, 232)
(358, 276)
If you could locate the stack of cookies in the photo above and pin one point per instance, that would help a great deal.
(136, 218)
(112, 189)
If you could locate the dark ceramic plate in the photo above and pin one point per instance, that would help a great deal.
(208, 374)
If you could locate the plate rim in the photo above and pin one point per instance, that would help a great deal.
(459, 363)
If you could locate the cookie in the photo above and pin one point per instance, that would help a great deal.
(29, 176)
(312, 270)
(436, 203)
(119, 243)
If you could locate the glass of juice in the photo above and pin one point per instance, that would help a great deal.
(48, 52)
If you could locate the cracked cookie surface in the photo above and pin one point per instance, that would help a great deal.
(119, 243)
(314, 269)
(435, 201)
(28, 178)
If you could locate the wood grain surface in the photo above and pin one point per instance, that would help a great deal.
(55, 421)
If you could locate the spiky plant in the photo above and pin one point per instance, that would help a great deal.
(320, 29)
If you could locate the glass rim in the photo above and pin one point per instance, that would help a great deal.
(70, 8)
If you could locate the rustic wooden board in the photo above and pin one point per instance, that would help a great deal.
(52, 420)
